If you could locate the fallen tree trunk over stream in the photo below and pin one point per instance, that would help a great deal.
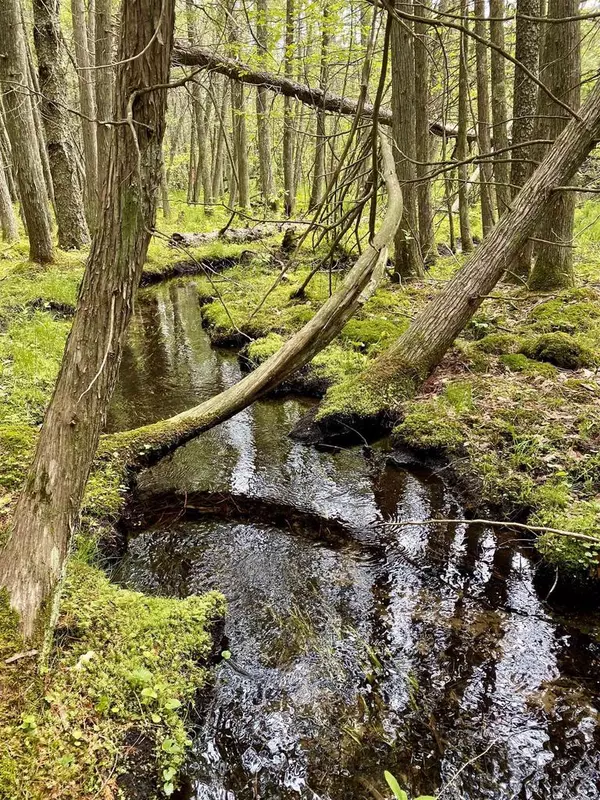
(185, 55)
(144, 445)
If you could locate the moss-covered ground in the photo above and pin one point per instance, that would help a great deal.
(513, 408)
(123, 669)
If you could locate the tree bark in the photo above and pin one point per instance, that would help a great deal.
(104, 82)
(461, 140)
(87, 101)
(265, 159)
(318, 181)
(22, 134)
(421, 348)
(407, 258)
(289, 194)
(8, 218)
(561, 71)
(525, 98)
(499, 106)
(46, 511)
(423, 137)
(47, 36)
(483, 120)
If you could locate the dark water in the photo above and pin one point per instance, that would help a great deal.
(424, 650)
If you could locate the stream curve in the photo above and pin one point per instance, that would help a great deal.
(431, 654)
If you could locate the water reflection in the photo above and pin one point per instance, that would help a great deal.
(436, 659)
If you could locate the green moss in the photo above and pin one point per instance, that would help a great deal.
(261, 349)
(574, 311)
(517, 362)
(16, 445)
(580, 516)
(372, 334)
(430, 425)
(121, 659)
(499, 343)
(561, 350)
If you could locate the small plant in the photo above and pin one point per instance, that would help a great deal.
(398, 792)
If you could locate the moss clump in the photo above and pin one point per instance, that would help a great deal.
(575, 311)
(430, 425)
(121, 659)
(372, 334)
(498, 343)
(517, 362)
(561, 350)
(261, 349)
(16, 445)
(574, 555)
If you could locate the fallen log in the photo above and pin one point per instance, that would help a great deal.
(144, 445)
(232, 235)
(186, 56)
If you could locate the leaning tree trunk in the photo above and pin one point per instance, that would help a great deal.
(263, 129)
(21, 132)
(401, 369)
(87, 101)
(407, 258)
(499, 112)
(47, 36)
(525, 98)
(47, 508)
(561, 71)
(483, 120)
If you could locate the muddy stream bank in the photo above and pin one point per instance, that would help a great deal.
(355, 647)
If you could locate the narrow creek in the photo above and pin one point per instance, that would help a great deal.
(355, 648)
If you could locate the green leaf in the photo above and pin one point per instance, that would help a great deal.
(226, 654)
(148, 692)
(155, 718)
(172, 703)
(168, 788)
(169, 773)
(399, 793)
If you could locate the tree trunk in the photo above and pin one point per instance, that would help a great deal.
(407, 258)
(420, 349)
(104, 82)
(265, 158)
(561, 71)
(22, 134)
(240, 143)
(461, 140)
(289, 197)
(423, 137)
(8, 218)
(525, 98)
(46, 511)
(483, 120)
(318, 181)
(87, 103)
(499, 106)
(47, 36)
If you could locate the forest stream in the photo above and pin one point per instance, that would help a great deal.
(355, 647)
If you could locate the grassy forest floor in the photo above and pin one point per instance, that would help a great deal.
(513, 410)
